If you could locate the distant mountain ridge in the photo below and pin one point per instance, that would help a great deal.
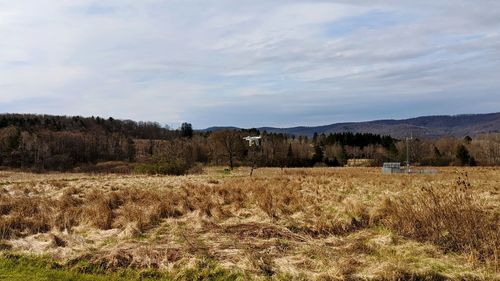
(422, 127)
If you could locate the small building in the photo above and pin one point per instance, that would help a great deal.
(391, 168)
(359, 162)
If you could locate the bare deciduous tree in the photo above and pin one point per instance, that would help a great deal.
(229, 144)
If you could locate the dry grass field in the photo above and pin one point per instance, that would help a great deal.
(290, 224)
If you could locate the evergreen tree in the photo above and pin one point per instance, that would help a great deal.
(437, 153)
(315, 138)
(186, 130)
(463, 155)
(318, 155)
(289, 154)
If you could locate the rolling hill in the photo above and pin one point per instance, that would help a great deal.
(422, 127)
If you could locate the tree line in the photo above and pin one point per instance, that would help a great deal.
(44, 142)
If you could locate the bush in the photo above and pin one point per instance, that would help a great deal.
(114, 167)
(196, 169)
(464, 157)
(441, 161)
(177, 167)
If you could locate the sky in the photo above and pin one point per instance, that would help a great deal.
(249, 63)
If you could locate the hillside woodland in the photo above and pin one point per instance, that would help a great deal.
(43, 142)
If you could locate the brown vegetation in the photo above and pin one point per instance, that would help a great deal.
(451, 217)
(324, 224)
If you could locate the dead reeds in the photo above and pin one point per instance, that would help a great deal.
(331, 224)
(452, 217)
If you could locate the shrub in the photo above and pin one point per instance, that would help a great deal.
(464, 157)
(196, 169)
(176, 167)
(115, 167)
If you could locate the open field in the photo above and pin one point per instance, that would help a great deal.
(302, 224)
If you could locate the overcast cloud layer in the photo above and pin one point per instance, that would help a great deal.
(250, 63)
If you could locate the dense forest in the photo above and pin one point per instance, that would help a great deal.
(43, 142)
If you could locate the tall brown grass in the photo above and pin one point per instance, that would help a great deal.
(452, 217)
(22, 217)
(312, 219)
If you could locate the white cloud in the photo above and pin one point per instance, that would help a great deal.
(164, 60)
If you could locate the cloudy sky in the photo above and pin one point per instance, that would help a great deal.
(250, 62)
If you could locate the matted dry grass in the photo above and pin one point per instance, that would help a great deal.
(322, 223)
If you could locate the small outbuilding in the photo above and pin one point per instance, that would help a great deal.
(391, 168)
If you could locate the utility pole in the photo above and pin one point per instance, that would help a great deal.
(408, 152)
